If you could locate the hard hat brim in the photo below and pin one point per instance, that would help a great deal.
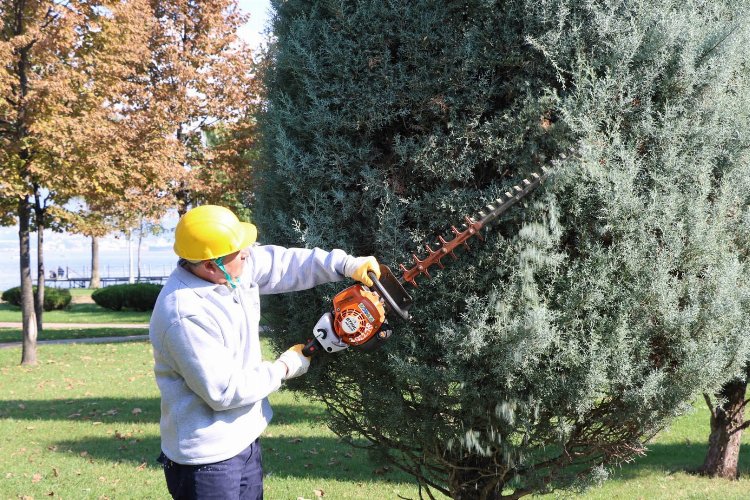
(251, 234)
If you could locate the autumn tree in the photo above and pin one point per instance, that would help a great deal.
(202, 77)
(67, 71)
(592, 315)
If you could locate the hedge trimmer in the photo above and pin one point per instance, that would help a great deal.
(358, 318)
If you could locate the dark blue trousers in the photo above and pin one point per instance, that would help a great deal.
(237, 478)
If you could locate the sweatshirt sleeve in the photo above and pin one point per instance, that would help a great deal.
(277, 269)
(212, 372)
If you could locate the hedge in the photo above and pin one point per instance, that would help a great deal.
(54, 298)
(138, 296)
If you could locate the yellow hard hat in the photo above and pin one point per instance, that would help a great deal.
(209, 232)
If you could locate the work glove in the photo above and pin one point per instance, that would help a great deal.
(358, 267)
(296, 362)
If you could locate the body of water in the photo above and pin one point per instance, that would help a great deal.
(72, 255)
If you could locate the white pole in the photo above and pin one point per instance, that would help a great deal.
(131, 277)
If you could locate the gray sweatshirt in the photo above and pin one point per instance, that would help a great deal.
(207, 359)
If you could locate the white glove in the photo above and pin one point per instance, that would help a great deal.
(358, 267)
(296, 362)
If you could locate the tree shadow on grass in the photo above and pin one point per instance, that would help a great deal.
(309, 457)
(317, 458)
(105, 410)
(129, 410)
(674, 458)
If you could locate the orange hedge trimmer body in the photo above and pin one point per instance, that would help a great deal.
(358, 318)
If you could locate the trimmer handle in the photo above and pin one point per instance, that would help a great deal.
(312, 347)
(392, 304)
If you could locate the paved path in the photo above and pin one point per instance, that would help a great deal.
(61, 326)
(94, 340)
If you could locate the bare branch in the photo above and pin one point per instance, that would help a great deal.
(710, 404)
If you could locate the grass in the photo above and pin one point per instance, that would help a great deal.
(664, 473)
(84, 424)
(81, 310)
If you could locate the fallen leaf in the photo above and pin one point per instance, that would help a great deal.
(381, 470)
(319, 493)
(30, 428)
(21, 406)
(36, 478)
(141, 467)
(136, 411)
(295, 440)
(123, 437)
(84, 453)
(55, 472)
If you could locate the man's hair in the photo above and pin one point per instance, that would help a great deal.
(188, 263)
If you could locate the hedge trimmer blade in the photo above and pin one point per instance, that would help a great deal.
(471, 227)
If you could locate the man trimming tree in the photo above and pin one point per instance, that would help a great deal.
(204, 331)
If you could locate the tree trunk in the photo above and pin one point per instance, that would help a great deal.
(28, 317)
(727, 421)
(39, 297)
(95, 279)
(466, 484)
(138, 252)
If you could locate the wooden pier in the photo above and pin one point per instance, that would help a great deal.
(84, 281)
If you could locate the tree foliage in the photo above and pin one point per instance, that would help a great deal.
(108, 103)
(67, 69)
(202, 76)
(592, 315)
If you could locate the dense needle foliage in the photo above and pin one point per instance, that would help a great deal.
(595, 311)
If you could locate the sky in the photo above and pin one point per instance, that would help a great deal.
(73, 252)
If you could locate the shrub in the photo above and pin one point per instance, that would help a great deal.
(54, 298)
(138, 296)
(600, 305)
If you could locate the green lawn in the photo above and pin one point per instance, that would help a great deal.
(84, 424)
(78, 313)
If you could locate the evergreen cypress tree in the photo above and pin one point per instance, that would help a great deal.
(594, 312)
